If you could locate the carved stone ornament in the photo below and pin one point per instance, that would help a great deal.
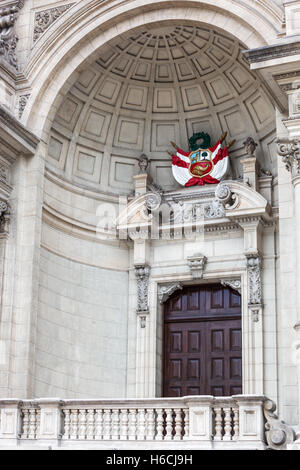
(250, 146)
(165, 291)
(278, 434)
(197, 265)
(290, 153)
(254, 280)
(22, 104)
(44, 19)
(142, 274)
(225, 197)
(214, 210)
(4, 216)
(235, 284)
(8, 37)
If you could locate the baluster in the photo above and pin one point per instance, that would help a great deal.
(236, 423)
(106, 425)
(150, 428)
(132, 425)
(25, 424)
(82, 424)
(124, 425)
(227, 427)
(38, 422)
(186, 423)
(178, 425)
(74, 424)
(32, 423)
(218, 424)
(169, 422)
(141, 425)
(90, 425)
(99, 425)
(115, 425)
(159, 427)
(67, 424)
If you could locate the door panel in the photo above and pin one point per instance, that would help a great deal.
(203, 344)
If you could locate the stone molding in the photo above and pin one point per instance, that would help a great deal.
(142, 273)
(197, 265)
(166, 290)
(289, 150)
(275, 51)
(44, 19)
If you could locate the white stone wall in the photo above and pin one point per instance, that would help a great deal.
(81, 330)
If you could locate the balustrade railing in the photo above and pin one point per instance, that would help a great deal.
(189, 422)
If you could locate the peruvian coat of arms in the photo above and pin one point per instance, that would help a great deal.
(200, 166)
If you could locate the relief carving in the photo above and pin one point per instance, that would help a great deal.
(197, 265)
(165, 291)
(142, 274)
(8, 37)
(290, 153)
(44, 19)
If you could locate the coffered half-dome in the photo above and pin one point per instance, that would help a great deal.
(150, 88)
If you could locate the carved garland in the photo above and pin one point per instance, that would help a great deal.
(142, 274)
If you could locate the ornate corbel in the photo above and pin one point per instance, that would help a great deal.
(254, 284)
(142, 273)
(197, 265)
(235, 284)
(166, 290)
(278, 434)
(289, 150)
(8, 37)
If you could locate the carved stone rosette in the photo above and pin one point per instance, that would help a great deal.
(278, 434)
(197, 265)
(290, 153)
(142, 274)
(165, 291)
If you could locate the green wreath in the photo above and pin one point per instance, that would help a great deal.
(199, 135)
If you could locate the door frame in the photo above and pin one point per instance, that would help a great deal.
(224, 318)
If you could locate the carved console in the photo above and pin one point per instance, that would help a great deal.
(278, 434)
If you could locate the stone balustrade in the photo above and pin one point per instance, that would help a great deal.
(204, 422)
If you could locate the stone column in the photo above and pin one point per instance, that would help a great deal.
(289, 150)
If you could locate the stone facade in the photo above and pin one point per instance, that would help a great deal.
(85, 265)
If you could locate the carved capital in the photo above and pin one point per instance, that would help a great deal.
(278, 434)
(197, 265)
(142, 273)
(290, 153)
(165, 291)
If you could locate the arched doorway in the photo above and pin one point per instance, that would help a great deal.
(203, 342)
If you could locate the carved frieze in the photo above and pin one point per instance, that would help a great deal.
(214, 210)
(197, 265)
(44, 19)
(290, 153)
(166, 290)
(142, 274)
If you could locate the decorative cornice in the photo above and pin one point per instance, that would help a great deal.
(289, 150)
(275, 51)
(44, 19)
(30, 141)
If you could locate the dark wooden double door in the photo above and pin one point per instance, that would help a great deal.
(203, 342)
